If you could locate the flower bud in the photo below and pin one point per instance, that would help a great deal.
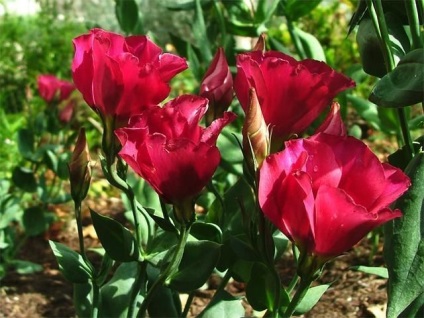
(260, 44)
(255, 133)
(217, 86)
(79, 169)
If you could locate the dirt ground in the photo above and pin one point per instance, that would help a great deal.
(48, 294)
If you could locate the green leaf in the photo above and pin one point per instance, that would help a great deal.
(228, 216)
(115, 293)
(312, 296)
(265, 10)
(82, 299)
(182, 4)
(379, 271)
(223, 305)
(127, 14)
(206, 231)
(401, 157)
(24, 178)
(35, 220)
(281, 242)
(26, 143)
(295, 9)
(366, 110)
(71, 264)
(404, 86)
(165, 302)
(262, 288)
(116, 239)
(311, 45)
(200, 33)
(404, 243)
(26, 267)
(199, 260)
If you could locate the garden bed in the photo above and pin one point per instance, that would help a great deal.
(48, 294)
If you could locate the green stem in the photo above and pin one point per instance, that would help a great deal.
(170, 269)
(293, 283)
(140, 281)
(113, 178)
(188, 305)
(79, 228)
(414, 24)
(96, 300)
(297, 298)
(377, 15)
(296, 40)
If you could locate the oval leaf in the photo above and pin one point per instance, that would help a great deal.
(311, 298)
(24, 178)
(404, 244)
(71, 264)
(404, 86)
(127, 14)
(199, 260)
(116, 239)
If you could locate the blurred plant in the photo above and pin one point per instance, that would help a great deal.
(36, 180)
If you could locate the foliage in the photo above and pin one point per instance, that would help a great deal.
(175, 242)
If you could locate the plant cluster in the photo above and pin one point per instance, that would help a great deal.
(253, 160)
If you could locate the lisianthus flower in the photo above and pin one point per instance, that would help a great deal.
(120, 76)
(326, 192)
(167, 147)
(51, 88)
(292, 94)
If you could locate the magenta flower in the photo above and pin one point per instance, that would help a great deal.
(121, 76)
(292, 94)
(51, 88)
(327, 192)
(167, 147)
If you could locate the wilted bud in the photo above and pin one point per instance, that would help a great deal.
(333, 123)
(255, 133)
(260, 44)
(79, 169)
(217, 87)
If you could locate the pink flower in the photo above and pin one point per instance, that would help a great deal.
(217, 86)
(292, 94)
(51, 88)
(121, 76)
(327, 192)
(167, 147)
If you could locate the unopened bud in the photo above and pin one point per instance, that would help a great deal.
(79, 169)
(217, 87)
(255, 133)
(260, 44)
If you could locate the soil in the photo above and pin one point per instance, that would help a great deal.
(48, 294)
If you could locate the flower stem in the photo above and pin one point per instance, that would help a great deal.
(296, 40)
(170, 269)
(140, 281)
(187, 305)
(114, 179)
(414, 24)
(377, 15)
(80, 232)
(298, 296)
(96, 300)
